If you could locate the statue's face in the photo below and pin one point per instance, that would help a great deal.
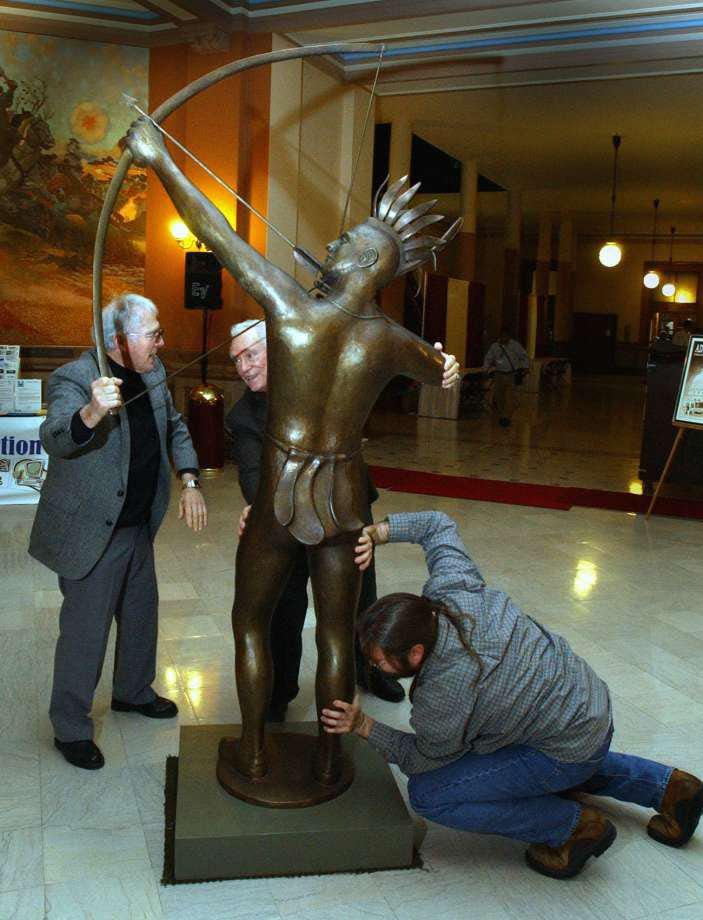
(366, 248)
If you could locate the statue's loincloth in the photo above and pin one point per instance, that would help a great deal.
(318, 496)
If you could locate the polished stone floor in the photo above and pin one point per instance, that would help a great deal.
(625, 593)
(587, 434)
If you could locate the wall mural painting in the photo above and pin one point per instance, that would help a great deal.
(62, 118)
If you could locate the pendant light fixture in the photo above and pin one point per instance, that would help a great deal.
(669, 288)
(651, 279)
(610, 253)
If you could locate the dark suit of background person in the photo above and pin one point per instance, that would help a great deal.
(246, 422)
(105, 495)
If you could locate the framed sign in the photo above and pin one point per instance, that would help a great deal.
(689, 402)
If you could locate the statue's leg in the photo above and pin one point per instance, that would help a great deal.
(265, 559)
(335, 583)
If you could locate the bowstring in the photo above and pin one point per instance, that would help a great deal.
(361, 142)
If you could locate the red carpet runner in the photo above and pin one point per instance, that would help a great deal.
(524, 493)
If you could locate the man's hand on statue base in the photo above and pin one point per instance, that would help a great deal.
(451, 368)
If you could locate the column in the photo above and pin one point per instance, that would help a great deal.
(565, 281)
(392, 297)
(511, 262)
(285, 120)
(464, 247)
(536, 326)
(461, 266)
(401, 143)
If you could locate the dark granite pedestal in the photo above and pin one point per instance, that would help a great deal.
(218, 836)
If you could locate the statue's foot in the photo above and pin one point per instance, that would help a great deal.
(327, 768)
(298, 775)
(252, 764)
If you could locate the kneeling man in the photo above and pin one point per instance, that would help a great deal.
(510, 725)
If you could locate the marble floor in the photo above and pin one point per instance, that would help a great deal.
(587, 434)
(624, 592)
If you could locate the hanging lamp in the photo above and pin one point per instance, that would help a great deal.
(669, 287)
(611, 253)
(651, 279)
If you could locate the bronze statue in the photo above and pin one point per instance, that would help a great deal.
(330, 352)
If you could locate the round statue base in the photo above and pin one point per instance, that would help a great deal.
(290, 780)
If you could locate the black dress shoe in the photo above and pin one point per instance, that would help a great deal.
(276, 711)
(84, 754)
(384, 686)
(158, 708)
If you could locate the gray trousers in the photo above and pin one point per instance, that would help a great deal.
(121, 585)
(504, 393)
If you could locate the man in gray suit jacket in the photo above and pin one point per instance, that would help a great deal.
(105, 495)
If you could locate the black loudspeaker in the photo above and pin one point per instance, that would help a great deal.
(203, 281)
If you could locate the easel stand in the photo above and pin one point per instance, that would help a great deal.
(669, 461)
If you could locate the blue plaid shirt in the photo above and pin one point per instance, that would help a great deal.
(530, 688)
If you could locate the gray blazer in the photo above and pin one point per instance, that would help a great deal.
(82, 496)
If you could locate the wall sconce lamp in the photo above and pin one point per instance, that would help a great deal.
(182, 235)
(610, 253)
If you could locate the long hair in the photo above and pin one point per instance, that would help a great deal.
(397, 622)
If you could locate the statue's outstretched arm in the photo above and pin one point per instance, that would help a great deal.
(271, 287)
(416, 358)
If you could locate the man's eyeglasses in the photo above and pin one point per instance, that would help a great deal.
(153, 336)
(249, 355)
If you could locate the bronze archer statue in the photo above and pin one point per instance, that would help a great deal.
(330, 354)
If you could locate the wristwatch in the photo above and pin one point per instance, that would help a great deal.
(191, 484)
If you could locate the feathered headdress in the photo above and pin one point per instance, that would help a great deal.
(406, 224)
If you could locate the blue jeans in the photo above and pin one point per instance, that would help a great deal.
(511, 792)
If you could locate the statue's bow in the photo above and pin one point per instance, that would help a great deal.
(158, 115)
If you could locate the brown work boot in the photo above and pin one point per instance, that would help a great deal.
(592, 836)
(680, 810)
